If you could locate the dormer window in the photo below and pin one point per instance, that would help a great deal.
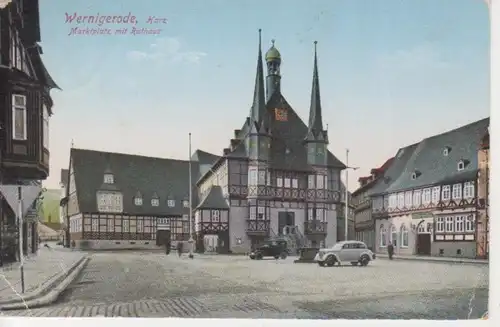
(185, 203)
(138, 199)
(461, 165)
(446, 151)
(109, 179)
(415, 174)
(155, 202)
(171, 203)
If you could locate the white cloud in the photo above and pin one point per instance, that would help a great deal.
(167, 49)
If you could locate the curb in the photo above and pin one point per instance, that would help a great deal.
(48, 297)
(45, 287)
(458, 261)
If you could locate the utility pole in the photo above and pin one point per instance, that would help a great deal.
(191, 240)
(346, 218)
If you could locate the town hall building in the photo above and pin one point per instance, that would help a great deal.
(276, 177)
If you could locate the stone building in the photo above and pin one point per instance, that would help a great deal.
(276, 177)
(428, 206)
(363, 222)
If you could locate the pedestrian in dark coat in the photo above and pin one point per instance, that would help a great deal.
(179, 248)
(390, 250)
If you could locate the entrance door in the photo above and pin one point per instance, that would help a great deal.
(285, 219)
(223, 242)
(162, 237)
(424, 244)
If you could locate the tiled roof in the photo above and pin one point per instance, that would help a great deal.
(167, 179)
(213, 200)
(432, 165)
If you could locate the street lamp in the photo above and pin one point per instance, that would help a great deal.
(346, 230)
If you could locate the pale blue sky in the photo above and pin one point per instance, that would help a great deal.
(391, 73)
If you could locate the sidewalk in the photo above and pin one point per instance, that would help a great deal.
(41, 272)
(433, 259)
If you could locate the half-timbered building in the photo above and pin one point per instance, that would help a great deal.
(483, 194)
(430, 208)
(25, 108)
(118, 200)
(363, 223)
(277, 175)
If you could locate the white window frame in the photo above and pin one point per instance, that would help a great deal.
(125, 226)
(185, 203)
(460, 165)
(110, 225)
(435, 194)
(470, 224)
(404, 232)
(401, 200)
(459, 224)
(155, 202)
(268, 178)
(311, 182)
(320, 182)
(426, 196)
(252, 176)
(262, 177)
(138, 201)
(23, 109)
(45, 127)
(253, 213)
(261, 213)
(449, 224)
(393, 236)
(109, 179)
(393, 201)
(295, 183)
(440, 225)
(417, 198)
(287, 182)
(408, 199)
(94, 224)
(383, 236)
(456, 192)
(171, 203)
(310, 214)
(469, 190)
(215, 215)
(446, 193)
(445, 152)
(279, 181)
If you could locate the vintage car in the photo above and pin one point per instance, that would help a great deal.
(276, 248)
(353, 252)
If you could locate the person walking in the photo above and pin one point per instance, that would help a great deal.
(179, 248)
(390, 250)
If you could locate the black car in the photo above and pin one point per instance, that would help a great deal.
(275, 248)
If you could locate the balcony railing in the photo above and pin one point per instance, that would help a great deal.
(258, 227)
(285, 193)
(315, 227)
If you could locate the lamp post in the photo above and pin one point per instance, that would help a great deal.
(346, 218)
(191, 241)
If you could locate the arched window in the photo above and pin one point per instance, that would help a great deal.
(383, 236)
(394, 235)
(404, 236)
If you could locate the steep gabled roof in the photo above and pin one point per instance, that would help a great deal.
(213, 200)
(147, 176)
(204, 158)
(380, 171)
(395, 169)
(432, 166)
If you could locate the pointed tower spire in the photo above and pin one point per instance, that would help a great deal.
(315, 118)
(258, 111)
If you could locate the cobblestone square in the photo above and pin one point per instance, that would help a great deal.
(156, 285)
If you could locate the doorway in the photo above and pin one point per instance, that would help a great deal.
(285, 218)
(162, 237)
(424, 244)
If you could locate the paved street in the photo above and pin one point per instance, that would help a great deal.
(154, 285)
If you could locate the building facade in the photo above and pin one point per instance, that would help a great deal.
(277, 177)
(483, 194)
(429, 208)
(363, 224)
(25, 109)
